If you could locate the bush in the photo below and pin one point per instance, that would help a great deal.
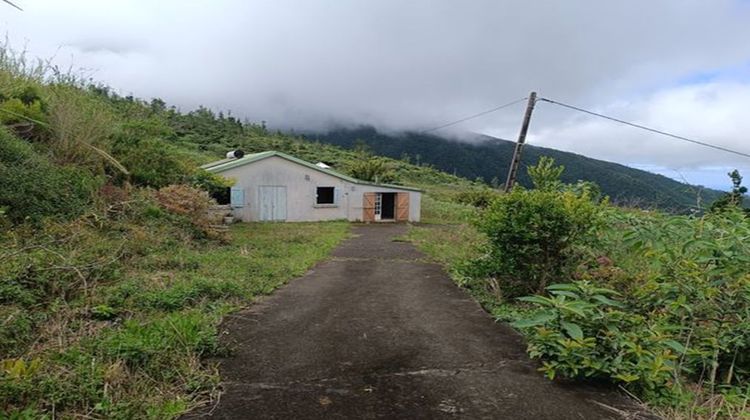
(33, 188)
(151, 162)
(697, 280)
(681, 311)
(532, 235)
(368, 167)
(216, 185)
(81, 127)
(582, 331)
(189, 202)
(477, 197)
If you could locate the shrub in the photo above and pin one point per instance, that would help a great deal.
(684, 311)
(477, 197)
(216, 185)
(81, 126)
(189, 202)
(151, 162)
(697, 277)
(372, 169)
(33, 188)
(545, 175)
(368, 167)
(582, 331)
(532, 235)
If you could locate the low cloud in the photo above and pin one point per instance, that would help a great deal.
(675, 65)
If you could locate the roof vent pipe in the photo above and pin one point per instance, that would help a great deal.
(235, 154)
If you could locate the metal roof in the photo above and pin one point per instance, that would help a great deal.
(226, 164)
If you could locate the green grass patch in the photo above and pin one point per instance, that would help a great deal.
(135, 346)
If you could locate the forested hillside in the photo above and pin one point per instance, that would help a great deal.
(488, 158)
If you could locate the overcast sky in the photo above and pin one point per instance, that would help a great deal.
(677, 65)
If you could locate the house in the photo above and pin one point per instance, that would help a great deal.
(274, 186)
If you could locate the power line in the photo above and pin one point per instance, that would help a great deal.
(471, 117)
(12, 4)
(643, 127)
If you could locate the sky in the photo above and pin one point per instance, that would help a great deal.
(681, 66)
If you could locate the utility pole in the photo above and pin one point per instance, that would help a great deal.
(513, 170)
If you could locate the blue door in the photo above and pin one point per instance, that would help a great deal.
(272, 202)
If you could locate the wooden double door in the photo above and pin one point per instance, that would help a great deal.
(385, 206)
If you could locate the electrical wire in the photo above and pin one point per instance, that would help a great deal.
(12, 4)
(643, 127)
(471, 117)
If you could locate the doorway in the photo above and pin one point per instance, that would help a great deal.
(387, 206)
(272, 202)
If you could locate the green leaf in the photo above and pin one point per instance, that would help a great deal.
(540, 319)
(536, 299)
(575, 307)
(562, 286)
(573, 330)
(676, 346)
(607, 301)
(565, 293)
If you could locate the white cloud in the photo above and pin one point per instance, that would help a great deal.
(421, 63)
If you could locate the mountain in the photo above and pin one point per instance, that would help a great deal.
(488, 158)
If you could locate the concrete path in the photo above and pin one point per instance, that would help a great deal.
(377, 332)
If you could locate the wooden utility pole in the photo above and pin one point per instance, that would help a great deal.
(513, 170)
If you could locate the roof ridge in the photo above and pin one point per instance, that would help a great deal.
(225, 164)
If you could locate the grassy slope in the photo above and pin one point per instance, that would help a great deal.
(131, 345)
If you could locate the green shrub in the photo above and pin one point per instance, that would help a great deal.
(532, 235)
(682, 312)
(15, 111)
(477, 197)
(33, 188)
(545, 175)
(698, 278)
(152, 162)
(216, 185)
(583, 331)
(368, 167)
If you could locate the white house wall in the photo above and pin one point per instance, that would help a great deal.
(301, 183)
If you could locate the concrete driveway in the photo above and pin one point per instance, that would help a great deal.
(378, 332)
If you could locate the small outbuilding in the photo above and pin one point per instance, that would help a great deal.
(274, 186)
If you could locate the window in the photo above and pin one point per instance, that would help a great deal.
(325, 195)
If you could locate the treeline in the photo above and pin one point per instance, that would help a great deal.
(487, 159)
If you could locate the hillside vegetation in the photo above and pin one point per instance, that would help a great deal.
(113, 278)
(488, 158)
(657, 304)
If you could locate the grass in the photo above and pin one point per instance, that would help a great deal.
(448, 237)
(133, 346)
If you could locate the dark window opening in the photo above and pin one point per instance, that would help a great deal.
(222, 196)
(388, 211)
(326, 195)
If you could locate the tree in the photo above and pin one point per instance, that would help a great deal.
(733, 198)
(545, 175)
